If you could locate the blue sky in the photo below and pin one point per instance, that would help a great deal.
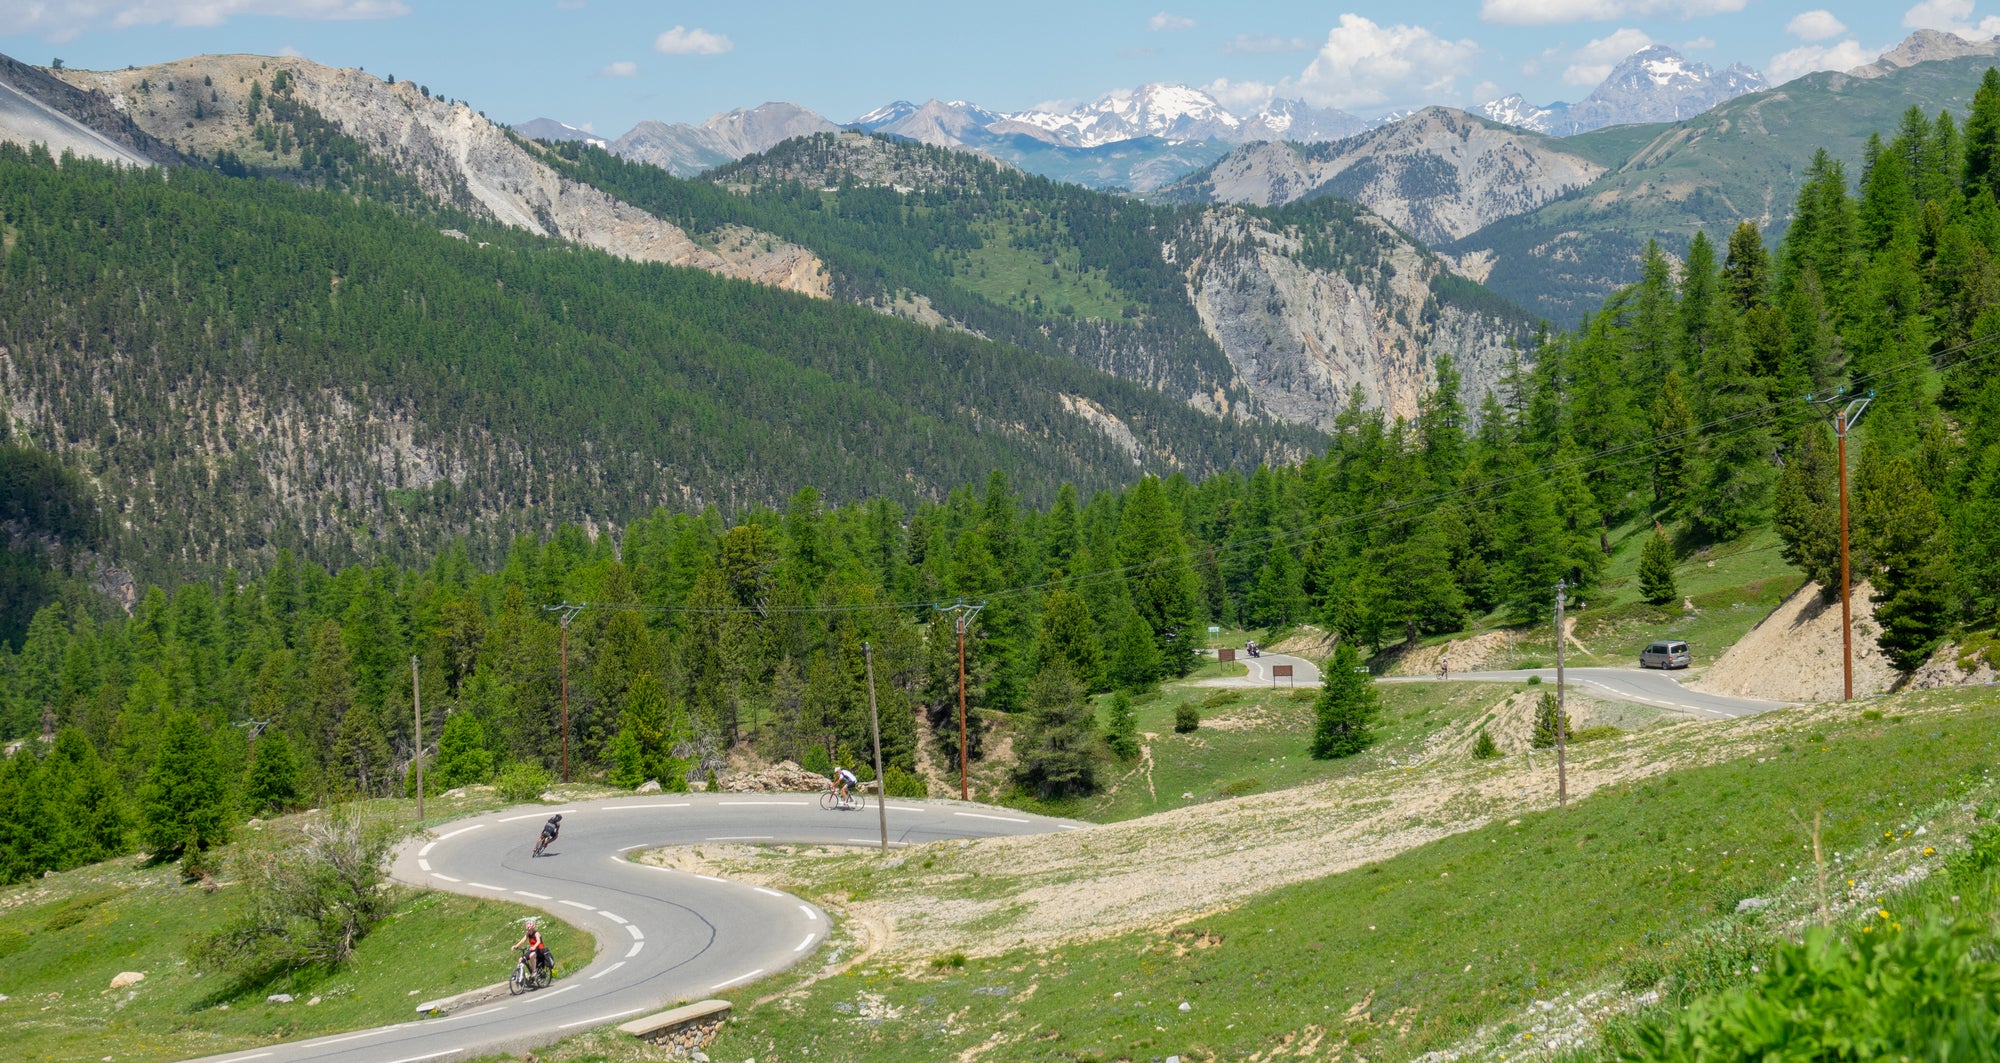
(608, 64)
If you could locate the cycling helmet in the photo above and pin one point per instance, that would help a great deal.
(531, 924)
(557, 818)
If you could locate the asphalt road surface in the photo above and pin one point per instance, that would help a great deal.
(1258, 672)
(662, 936)
(1638, 685)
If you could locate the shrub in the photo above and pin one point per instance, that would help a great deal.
(1187, 719)
(1534, 680)
(1545, 722)
(1592, 734)
(900, 783)
(1930, 992)
(310, 898)
(1123, 731)
(817, 761)
(522, 781)
(1483, 748)
(1974, 863)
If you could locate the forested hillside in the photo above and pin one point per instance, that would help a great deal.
(1679, 404)
(945, 236)
(241, 365)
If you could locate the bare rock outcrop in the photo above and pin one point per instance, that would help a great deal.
(1300, 337)
(452, 151)
(782, 777)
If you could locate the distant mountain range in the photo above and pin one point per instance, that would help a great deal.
(1655, 84)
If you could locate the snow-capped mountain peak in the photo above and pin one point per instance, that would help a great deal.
(884, 115)
(1654, 84)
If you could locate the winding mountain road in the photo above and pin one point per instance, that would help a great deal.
(1258, 672)
(1638, 685)
(663, 935)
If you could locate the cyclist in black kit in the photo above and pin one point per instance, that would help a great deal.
(549, 831)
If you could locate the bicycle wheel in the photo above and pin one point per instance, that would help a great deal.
(829, 801)
(515, 981)
(857, 803)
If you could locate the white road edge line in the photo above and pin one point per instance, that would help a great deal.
(453, 834)
(748, 838)
(337, 1040)
(809, 940)
(768, 890)
(907, 808)
(634, 951)
(810, 914)
(620, 808)
(607, 970)
(240, 1059)
(558, 992)
(423, 865)
(738, 978)
(976, 815)
(619, 919)
(789, 804)
(629, 848)
(425, 851)
(711, 878)
(583, 1022)
(1067, 826)
(484, 886)
(636, 933)
(433, 1055)
(444, 878)
(537, 896)
(871, 841)
(578, 904)
(470, 1014)
(533, 815)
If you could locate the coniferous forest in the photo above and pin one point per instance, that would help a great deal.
(259, 680)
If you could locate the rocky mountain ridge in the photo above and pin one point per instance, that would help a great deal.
(1440, 174)
(1653, 84)
(685, 150)
(211, 104)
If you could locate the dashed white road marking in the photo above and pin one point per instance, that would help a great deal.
(556, 992)
(240, 1059)
(534, 815)
(737, 979)
(810, 938)
(1067, 826)
(619, 919)
(423, 865)
(739, 838)
(810, 914)
(432, 1055)
(578, 904)
(634, 931)
(620, 808)
(444, 878)
(537, 896)
(607, 970)
(634, 951)
(977, 815)
(791, 804)
(907, 808)
(629, 848)
(453, 834)
(871, 841)
(711, 878)
(768, 891)
(595, 1021)
(484, 886)
(426, 850)
(338, 1040)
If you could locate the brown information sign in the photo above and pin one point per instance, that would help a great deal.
(1278, 670)
(1226, 654)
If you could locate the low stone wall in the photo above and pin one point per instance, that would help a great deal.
(684, 1031)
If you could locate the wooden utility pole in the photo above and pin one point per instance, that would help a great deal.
(1843, 420)
(417, 710)
(568, 612)
(875, 725)
(1562, 771)
(962, 615)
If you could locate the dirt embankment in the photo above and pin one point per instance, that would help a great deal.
(1794, 655)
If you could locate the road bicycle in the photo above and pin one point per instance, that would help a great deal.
(528, 974)
(833, 802)
(542, 843)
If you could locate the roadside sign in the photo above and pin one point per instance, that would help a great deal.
(1281, 671)
(1225, 654)
(1213, 630)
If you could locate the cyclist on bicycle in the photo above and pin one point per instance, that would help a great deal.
(843, 783)
(539, 956)
(552, 828)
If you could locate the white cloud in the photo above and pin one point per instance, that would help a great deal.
(683, 41)
(1165, 21)
(290, 52)
(1363, 64)
(1951, 16)
(1593, 62)
(62, 20)
(1549, 12)
(1264, 44)
(1815, 25)
(623, 68)
(1808, 58)
(1699, 44)
(1240, 97)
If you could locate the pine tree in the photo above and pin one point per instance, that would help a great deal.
(184, 805)
(1068, 634)
(1730, 484)
(1806, 509)
(1346, 709)
(647, 736)
(272, 784)
(1656, 570)
(1673, 442)
(1898, 525)
(1135, 660)
(1058, 747)
(1547, 722)
(1982, 138)
(361, 753)
(1122, 732)
(462, 756)
(1162, 578)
